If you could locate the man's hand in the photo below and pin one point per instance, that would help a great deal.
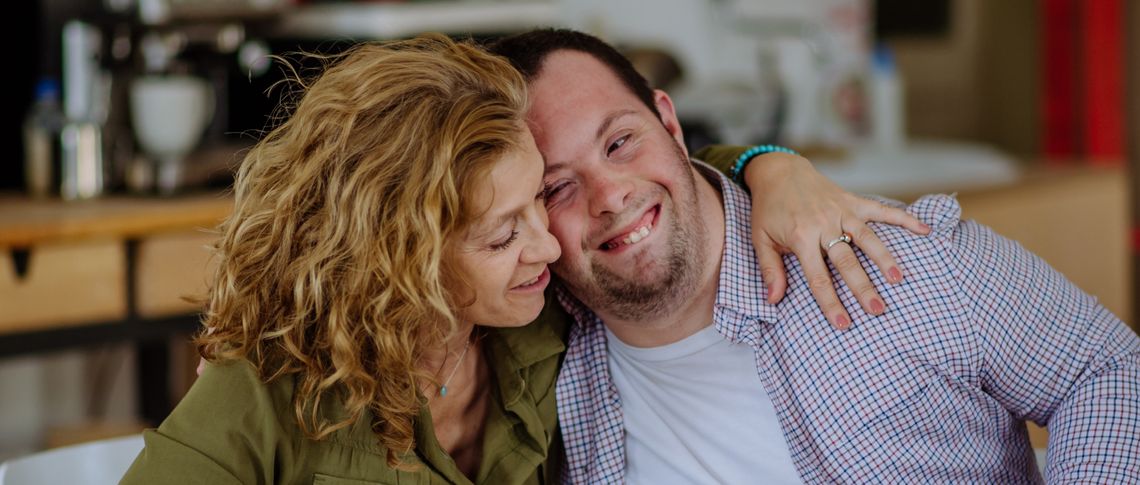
(796, 209)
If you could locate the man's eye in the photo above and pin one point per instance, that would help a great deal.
(550, 192)
(617, 144)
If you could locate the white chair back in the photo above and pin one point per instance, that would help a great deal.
(95, 463)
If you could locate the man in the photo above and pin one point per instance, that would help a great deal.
(679, 371)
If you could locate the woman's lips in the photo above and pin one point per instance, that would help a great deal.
(537, 283)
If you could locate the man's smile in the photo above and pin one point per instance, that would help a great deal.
(635, 231)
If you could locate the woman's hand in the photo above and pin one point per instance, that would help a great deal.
(796, 209)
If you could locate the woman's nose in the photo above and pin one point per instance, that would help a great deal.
(543, 248)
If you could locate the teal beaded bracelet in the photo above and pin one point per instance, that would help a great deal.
(737, 172)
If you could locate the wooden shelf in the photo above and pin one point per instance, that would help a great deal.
(27, 222)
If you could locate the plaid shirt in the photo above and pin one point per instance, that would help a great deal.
(981, 336)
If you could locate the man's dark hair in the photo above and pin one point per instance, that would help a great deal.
(528, 50)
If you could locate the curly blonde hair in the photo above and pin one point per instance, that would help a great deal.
(332, 265)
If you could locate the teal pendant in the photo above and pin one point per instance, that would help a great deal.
(442, 391)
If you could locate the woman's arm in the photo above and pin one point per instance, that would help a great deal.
(796, 209)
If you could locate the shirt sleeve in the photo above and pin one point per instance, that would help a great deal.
(1051, 354)
(225, 430)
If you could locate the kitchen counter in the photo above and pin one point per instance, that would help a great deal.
(921, 166)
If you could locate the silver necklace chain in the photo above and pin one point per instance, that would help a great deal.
(443, 388)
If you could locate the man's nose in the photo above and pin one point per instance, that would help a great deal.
(608, 195)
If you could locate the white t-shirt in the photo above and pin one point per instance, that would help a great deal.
(696, 412)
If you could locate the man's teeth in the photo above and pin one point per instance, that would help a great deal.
(636, 235)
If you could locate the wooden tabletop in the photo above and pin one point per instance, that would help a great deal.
(25, 222)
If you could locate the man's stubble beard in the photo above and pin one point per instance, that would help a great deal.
(629, 298)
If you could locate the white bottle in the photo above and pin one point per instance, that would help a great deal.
(888, 115)
(82, 169)
(800, 75)
(42, 140)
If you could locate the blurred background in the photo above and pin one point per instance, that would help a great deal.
(127, 117)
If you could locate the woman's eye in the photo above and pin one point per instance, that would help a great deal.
(506, 243)
(617, 144)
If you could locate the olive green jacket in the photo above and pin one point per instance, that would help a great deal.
(232, 428)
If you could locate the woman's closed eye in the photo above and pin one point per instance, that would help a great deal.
(505, 243)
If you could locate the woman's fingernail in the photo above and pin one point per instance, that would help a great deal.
(877, 306)
(894, 274)
(925, 227)
(842, 322)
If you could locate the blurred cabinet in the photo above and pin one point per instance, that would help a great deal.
(171, 271)
(101, 270)
(118, 269)
(62, 283)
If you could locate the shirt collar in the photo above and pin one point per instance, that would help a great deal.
(741, 294)
(532, 343)
(513, 349)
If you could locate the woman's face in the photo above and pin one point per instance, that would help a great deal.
(504, 254)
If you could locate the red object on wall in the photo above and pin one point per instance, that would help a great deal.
(1082, 96)
(1103, 99)
(1059, 76)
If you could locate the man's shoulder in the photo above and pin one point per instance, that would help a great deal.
(933, 263)
(941, 212)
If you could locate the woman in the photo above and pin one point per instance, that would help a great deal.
(367, 317)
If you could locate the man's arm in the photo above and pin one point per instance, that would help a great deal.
(1051, 354)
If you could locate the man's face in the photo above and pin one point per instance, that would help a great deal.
(621, 192)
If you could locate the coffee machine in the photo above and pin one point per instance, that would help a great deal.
(145, 90)
(187, 54)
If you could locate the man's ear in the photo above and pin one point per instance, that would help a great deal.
(669, 118)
